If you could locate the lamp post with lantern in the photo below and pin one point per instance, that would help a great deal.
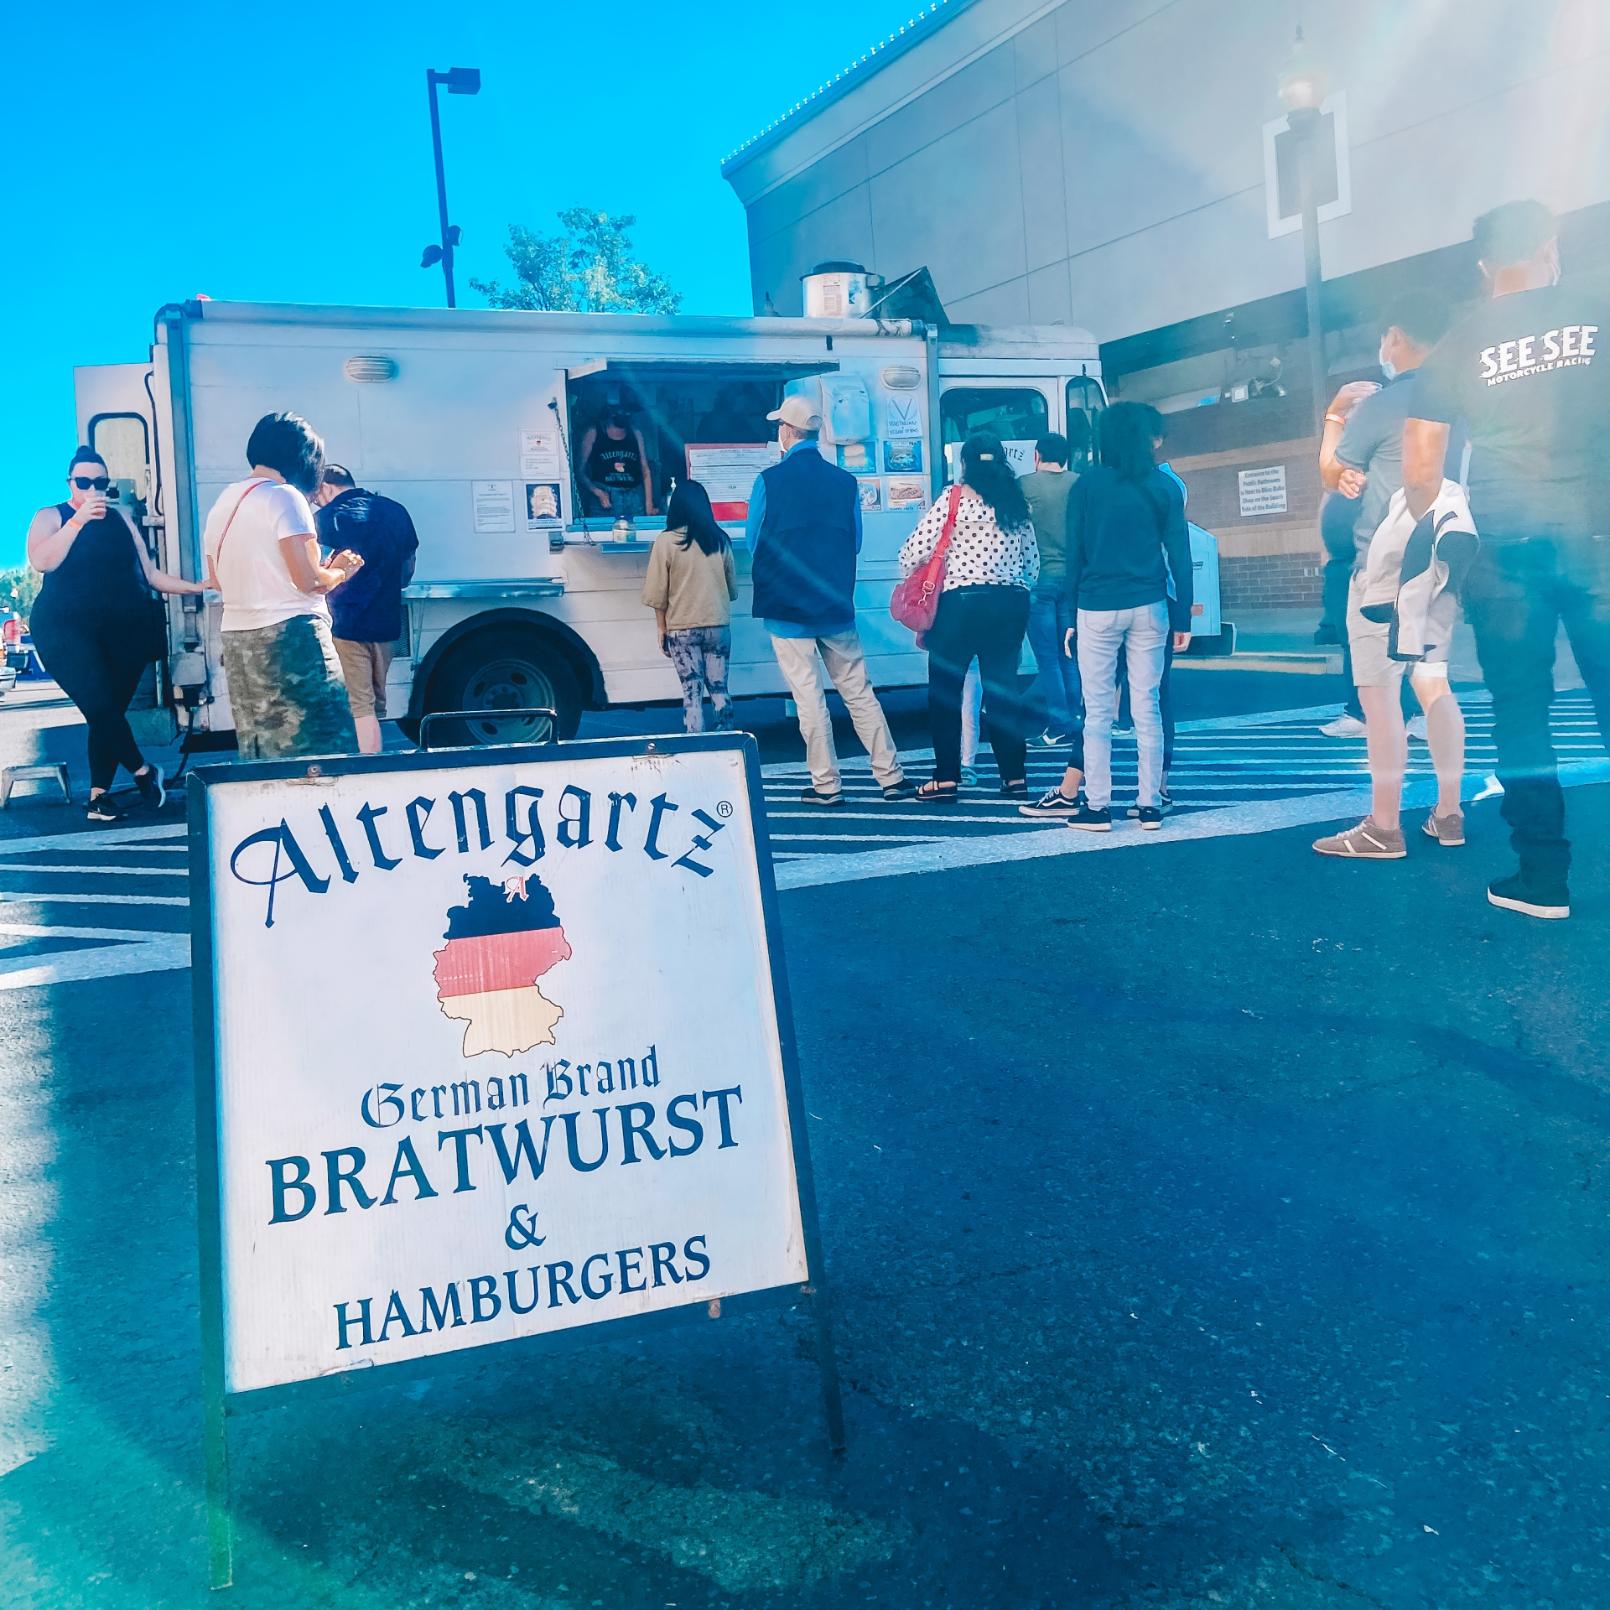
(1302, 92)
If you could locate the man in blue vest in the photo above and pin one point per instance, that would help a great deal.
(804, 534)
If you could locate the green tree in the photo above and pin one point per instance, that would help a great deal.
(587, 268)
(18, 589)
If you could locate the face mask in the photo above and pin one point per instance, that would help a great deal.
(1388, 368)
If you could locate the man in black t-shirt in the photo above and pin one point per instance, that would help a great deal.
(1529, 375)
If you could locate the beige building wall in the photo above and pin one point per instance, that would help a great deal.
(1101, 162)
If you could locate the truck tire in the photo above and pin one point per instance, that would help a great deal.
(503, 668)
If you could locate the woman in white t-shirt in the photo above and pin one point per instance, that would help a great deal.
(286, 690)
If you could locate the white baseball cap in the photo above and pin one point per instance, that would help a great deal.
(798, 412)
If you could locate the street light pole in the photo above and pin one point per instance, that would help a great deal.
(1302, 91)
(1304, 125)
(441, 185)
(459, 81)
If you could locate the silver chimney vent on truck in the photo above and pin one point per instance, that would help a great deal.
(840, 291)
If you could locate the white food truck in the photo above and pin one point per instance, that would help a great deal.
(526, 593)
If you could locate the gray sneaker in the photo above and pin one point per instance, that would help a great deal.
(1448, 831)
(1366, 842)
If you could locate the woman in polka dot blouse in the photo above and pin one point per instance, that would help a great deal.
(992, 564)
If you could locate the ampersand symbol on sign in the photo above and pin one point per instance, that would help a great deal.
(522, 1230)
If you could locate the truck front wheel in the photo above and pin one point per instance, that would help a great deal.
(504, 670)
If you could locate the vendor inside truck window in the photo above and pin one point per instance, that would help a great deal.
(614, 472)
(636, 465)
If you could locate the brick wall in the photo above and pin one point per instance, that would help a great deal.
(1265, 561)
(1215, 501)
(1269, 581)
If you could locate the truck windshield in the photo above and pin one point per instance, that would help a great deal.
(1020, 416)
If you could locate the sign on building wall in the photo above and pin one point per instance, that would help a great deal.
(1262, 491)
(497, 1049)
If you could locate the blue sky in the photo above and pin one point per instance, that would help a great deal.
(157, 152)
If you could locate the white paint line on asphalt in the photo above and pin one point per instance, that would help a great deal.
(853, 838)
(119, 871)
(123, 951)
(1232, 821)
(97, 838)
(1303, 720)
(939, 815)
(129, 849)
(1309, 763)
(15, 898)
(1257, 718)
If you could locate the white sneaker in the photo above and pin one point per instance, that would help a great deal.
(1343, 727)
(1417, 728)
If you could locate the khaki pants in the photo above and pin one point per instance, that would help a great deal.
(846, 665)
(365, 667)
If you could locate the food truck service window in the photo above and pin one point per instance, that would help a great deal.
(638, 429)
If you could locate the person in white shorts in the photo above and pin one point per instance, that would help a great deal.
(1379, 679)
(1369, 466)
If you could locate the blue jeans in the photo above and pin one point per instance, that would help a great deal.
(1165, 703)
(1141, 635)
(625, 500)
(1057, 685)
(1517, 596)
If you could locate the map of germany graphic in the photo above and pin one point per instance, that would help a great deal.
(500, 942)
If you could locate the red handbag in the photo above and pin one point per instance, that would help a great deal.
(915, 602)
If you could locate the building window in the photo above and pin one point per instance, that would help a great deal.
(1332, 178)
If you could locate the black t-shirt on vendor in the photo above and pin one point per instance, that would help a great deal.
(1529, 374)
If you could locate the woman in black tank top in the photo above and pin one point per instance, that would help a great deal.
(615, 474)
(95, 625)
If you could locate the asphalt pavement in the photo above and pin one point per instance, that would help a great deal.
(1208, 1224)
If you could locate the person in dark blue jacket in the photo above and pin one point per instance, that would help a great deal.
(1127, 542)
(804, 533)
(366, 615)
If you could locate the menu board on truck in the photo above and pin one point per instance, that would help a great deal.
(727, 471)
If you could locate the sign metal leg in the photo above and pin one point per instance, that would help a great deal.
(828, 1362)
(220, 1525)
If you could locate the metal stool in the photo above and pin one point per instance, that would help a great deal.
(12, 775)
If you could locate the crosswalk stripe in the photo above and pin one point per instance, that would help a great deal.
(95, 838)
(1230, 776)
(116, 871)
(16, 898)
(841, 838)
(1229, 821)
(122, 951)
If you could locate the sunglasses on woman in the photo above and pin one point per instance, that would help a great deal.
(92, 483)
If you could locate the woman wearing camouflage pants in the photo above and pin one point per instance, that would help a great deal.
(286, 691)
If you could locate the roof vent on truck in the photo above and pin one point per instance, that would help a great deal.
(370, 369)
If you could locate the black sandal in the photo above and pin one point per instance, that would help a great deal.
(934, 792)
